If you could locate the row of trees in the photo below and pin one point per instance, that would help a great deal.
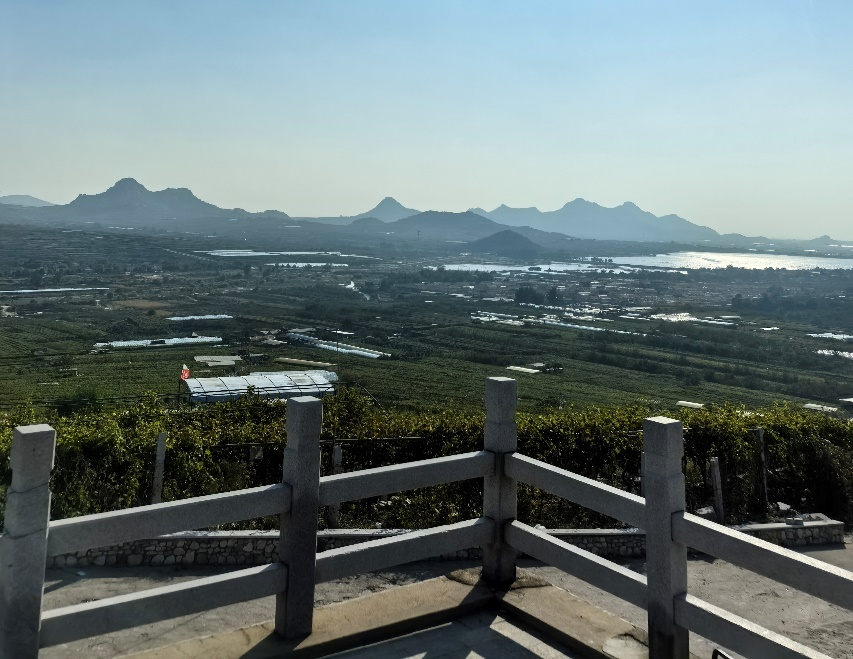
(529, 295)
(105, 458)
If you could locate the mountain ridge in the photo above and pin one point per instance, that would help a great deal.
(24, 200)
(586, 219)
(445, 226)
(129, 203)
(128, 199)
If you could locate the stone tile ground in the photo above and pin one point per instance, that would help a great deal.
(478, 635)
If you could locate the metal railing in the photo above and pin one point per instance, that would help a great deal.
(30, 537)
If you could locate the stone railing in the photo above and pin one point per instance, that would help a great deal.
(228, 548)
(30, 537)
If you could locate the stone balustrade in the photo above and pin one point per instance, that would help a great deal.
(230, 548)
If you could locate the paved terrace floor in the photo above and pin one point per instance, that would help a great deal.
(808, 620)
(457, 616)
(486, 635)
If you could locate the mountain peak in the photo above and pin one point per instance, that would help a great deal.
(389, 202)
(128, 184)
(579, 201)
(131, 201)
(388, 210)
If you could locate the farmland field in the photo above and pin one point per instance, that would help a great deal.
(597, 337)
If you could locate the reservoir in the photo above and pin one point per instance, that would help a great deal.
(674, 261)
(696, 260)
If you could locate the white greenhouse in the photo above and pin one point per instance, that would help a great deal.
(281, 384)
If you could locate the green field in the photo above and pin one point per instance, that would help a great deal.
(421, 317)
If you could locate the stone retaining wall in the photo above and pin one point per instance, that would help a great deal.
(816, 529)
(261, 547)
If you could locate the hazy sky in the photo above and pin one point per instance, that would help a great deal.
(737, 115)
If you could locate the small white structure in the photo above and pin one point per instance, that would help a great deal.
(218, 360)
(279, 385)
(819, 408)
(693, 406)
(153, 343)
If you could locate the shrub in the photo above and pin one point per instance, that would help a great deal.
(104, 459)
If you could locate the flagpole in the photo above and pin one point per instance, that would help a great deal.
(185, 375)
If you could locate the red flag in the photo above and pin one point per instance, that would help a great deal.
(185, 373)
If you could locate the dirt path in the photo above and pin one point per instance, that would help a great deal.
(806, 619)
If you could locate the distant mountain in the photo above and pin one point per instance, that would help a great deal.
(129, 203)
(24, 200)
(450, 227)
(438, 225)
(388, 210)
(129, 200)
(585, 219)
(505, 243)
(368, 223)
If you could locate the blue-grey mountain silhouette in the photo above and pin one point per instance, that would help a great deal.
(24, 200)
(505, 243)
(585, 219)
(388, 210)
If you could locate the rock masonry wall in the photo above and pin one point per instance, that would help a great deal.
(261, 547)
(798, 536)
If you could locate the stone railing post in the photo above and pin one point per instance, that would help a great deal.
(666, 560)
(499, 492)
(761, 499)
(297, 545)
(159, 468)
(333, 518)
(23, 548)
(717, 484)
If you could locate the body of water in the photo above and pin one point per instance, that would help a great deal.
(232, 253)
(697, 260)
(307, 264)
(679, 261)
(26, 291)
(533, 269)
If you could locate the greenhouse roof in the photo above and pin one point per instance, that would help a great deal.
(280, 384)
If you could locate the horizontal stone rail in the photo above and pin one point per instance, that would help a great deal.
(607, 500)
(231, 548)
(103, 529)
(745, 637)
(805, 573)
(599, 572)
(71, 623)
(396, 550)
(405, 476)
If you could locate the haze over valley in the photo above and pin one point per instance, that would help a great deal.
(129, 204)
